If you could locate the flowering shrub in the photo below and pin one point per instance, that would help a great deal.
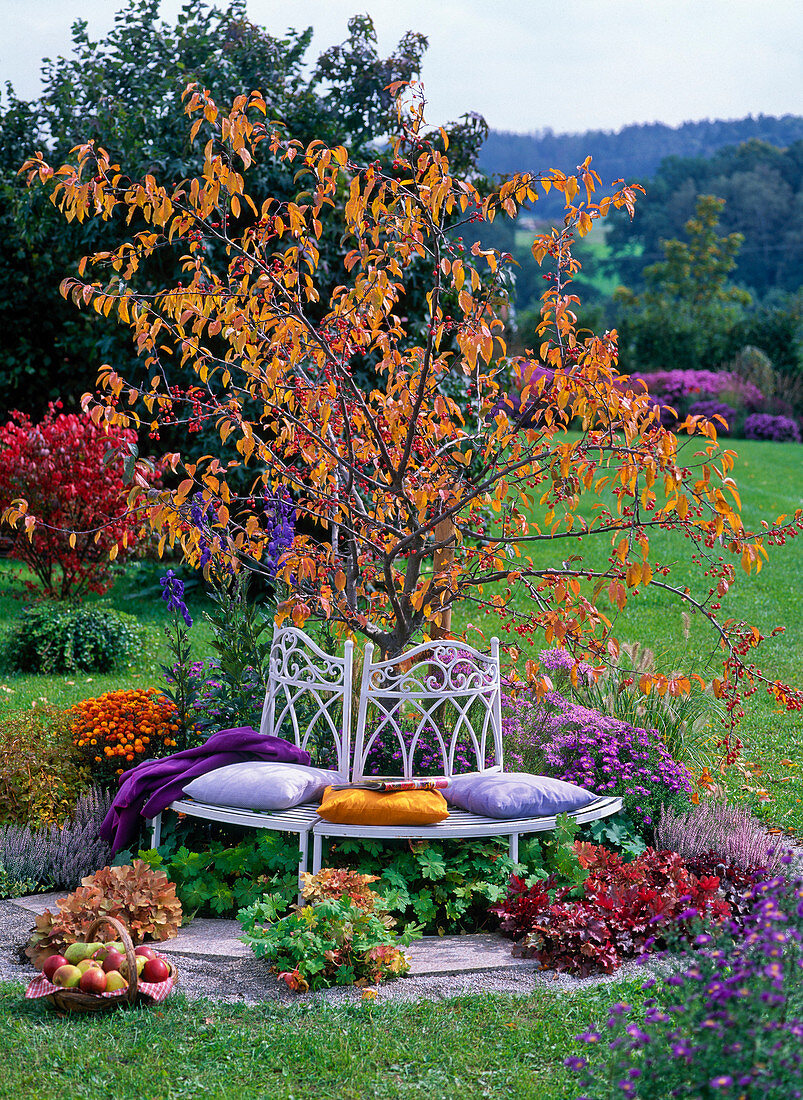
(57, 855)
(780, 429)
(726, 1024)
(61, 468)
(711, 408)
(123, 728)
(562, 738)
(621, 907)
(678, 387)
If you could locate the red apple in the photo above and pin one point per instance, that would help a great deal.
(113, 961)
(93, 980)
(145, 951)
(67, 976)
(155, 970)
(52, 964)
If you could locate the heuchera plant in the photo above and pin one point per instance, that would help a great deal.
(623, 905)
(82, 483)
(141, 898)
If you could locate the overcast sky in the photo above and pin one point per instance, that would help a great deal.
(524, 64)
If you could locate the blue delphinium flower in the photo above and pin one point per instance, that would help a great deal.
(173, 595)
(281, 528)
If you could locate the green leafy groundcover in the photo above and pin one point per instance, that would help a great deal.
(443, 888)
(490, 1047)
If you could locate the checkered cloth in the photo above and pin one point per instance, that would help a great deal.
(157, 991)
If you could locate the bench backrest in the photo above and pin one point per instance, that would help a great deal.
(309, 698)
(439, 705)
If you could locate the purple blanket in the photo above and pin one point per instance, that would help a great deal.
(151, 786)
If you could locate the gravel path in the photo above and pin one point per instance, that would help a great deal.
(250, 981)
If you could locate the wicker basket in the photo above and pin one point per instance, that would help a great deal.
(74, 1000)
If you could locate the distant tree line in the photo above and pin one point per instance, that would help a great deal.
(634, 151)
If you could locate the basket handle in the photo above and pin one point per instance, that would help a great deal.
(125, 939)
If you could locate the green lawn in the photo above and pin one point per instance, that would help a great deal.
(492, 1046)
(136, 592)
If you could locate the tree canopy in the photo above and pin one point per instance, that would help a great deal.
(124, 92)
(415, 502)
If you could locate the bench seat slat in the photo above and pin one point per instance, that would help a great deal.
(299, 819)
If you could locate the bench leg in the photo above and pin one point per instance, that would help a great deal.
(303, 851)
(316, 853)
(514, 847)
(156, 831)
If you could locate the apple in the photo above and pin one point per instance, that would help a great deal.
(113, 961)
(155, 970)
(89, 964)
(93, 980)
(52, 964)
(145, 951)
(67, 976)
(115, 981)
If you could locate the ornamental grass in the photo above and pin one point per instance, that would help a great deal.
(122, 728)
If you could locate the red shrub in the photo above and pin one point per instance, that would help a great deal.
(58, 467)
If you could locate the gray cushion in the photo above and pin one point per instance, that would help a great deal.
(516, 794)
(259, 785)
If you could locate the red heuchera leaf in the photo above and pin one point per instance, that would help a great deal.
(623, 905)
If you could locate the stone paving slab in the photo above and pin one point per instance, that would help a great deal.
(209, 938)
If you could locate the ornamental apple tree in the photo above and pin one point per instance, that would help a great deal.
(427, 489)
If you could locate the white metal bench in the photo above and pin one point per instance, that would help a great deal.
(308, 701)
(444, 695)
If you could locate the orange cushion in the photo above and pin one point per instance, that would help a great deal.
(360, 807)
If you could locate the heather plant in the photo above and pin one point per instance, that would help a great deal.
(56, 856)
(727, 1022)
(40, 772)
(779, 429)
(52, 638)
(715, 826)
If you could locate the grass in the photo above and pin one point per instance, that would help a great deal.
(484, 1046)
(136, 591)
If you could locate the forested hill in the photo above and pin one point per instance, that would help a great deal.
(633, 152)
